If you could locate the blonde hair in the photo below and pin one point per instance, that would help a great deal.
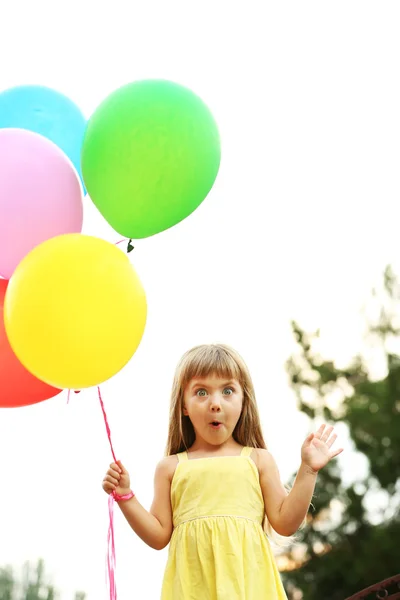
(222, 361)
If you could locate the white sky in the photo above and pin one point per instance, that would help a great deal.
(301, 222)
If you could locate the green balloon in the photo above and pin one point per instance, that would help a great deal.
(150, 156)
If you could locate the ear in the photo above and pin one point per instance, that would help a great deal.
(185, 412)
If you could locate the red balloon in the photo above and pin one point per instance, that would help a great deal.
(18, 387)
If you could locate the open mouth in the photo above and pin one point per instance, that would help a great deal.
(216, 424)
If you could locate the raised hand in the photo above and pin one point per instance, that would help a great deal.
(316, 451)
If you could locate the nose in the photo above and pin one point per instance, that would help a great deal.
(215, 403)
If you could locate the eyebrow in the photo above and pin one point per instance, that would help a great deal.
(197, 382)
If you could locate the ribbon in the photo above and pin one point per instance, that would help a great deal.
(111, 560)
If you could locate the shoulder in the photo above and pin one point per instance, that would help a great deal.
(166, 466)
(263, 459)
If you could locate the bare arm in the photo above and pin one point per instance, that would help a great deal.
(284, 511)
(295, 506)
(154, 527)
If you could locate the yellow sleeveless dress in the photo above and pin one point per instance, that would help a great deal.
(218, 549)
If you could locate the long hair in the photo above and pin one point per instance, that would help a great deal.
(222, 361)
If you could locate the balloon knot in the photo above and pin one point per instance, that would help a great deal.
(130, 247)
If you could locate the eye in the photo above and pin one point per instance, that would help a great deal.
(228, 391)
(202, 392)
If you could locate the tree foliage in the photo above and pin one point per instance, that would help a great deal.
(351, 539)
(31, 585)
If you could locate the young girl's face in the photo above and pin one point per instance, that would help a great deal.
(210, 400)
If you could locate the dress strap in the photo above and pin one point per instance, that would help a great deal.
(246, 451)
(182, 456)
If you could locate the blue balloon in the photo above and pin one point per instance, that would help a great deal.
(48, 112)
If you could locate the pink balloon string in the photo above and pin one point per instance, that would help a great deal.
(106, 423)
(111, 558)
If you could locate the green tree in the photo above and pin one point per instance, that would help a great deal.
(6, 583)
(345, 546)
(31, 586)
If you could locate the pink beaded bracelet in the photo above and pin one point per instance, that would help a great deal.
(117, 497)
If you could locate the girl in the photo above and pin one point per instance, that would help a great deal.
(217, 484)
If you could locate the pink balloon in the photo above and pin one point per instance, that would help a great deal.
(40, 195)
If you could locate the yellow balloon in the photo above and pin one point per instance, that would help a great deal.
(75, 311)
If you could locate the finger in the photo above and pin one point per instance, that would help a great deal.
(113, 473)
(320, 432)
(121, 466)
(309, 438)
(317, 443)
(108, 487)
(337, 452)
(111, 479)
(331, 440)
(326, 434)
(115, 467)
